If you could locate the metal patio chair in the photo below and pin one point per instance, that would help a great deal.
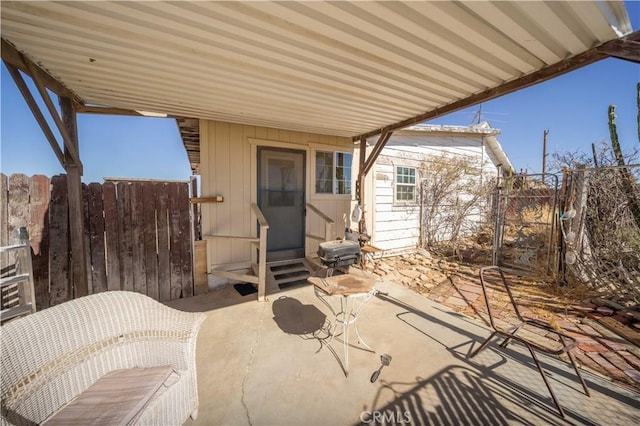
(510, 332)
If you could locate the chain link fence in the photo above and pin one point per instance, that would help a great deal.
(583, 227)
(525, 230)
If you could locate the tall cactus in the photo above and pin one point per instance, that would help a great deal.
(628, 181)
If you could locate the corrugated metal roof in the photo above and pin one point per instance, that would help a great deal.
(340, 68)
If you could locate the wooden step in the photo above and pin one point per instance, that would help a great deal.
(291, 284)
(294, 269)
(284, 272)
(292, 279)
(279, 263)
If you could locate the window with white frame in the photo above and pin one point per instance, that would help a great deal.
(333, 172)
(405, 184)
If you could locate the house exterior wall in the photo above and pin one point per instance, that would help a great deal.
(229, 169)
(395, 225)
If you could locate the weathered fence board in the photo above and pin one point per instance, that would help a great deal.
(18, 203)
(111, 235)
(150, 233)
(59, 278)
(125, 234)
(96, 238)
(86, 237)
(4, 205)
(174, 243)
(185, 238)
(38, 227)
(164, 268)
(138, 235)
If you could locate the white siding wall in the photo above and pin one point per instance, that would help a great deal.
(228, 167)
(397, 226)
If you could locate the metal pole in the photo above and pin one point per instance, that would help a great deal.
(496, 227)
(544, 154)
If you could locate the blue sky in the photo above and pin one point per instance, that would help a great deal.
(110, 146)
(572, 107)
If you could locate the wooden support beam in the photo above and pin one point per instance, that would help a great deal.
(201, 200)
(377, 149)
(578, 61)
(366, 163)
(363, 153)
(627, 47)
(194, 211)
(35, 110)
(11, 55)
(360, 179)
(365, 166)
(70, 148)
(91, 109)
(79, 282)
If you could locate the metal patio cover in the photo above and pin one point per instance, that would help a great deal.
(338, 68)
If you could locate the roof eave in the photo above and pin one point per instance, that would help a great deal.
(612, 48)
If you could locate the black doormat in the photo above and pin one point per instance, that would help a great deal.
(245, 289)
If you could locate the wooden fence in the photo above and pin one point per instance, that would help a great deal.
(137, 235)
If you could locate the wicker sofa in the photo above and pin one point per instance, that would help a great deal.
(50, 358)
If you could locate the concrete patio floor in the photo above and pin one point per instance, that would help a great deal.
(267, 364)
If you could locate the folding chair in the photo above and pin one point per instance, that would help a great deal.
(510, 332)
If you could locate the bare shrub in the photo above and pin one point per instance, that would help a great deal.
(608, 255)
(454, 200)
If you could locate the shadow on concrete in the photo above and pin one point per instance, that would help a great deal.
(309, 323)
(455, 394)
(294, 317)
(218, 298)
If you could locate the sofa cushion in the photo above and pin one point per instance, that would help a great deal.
(116, 398)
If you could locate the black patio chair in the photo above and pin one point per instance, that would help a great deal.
(564, 344)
